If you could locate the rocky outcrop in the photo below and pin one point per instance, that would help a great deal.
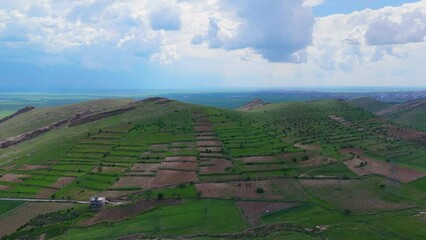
(82, 119)
(252, 104)
(29, 135)
(20, 111)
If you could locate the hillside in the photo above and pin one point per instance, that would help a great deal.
(369, 104)
(41, 117)
(412, 113)
(252, 104)
(189, 170)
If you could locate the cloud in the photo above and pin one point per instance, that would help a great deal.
(278, 30)
(410, 28)
(166, 18)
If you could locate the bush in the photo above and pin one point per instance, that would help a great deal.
(260, 190)
(347, 212)
(160, 196)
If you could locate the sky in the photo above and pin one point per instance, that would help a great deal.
(213, 44)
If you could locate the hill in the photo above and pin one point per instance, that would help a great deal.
(181, 170)
(252, 104)
(411, 113)
(369, 104)
(32, 119)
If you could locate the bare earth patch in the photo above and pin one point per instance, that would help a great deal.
(307, 147)
(60, 183)
(26, 212)
(188, 166)
(10, 177)
(254, 210)
(258, 159)
(120, 213)
(212, 143)
(147, 167)
(209, 149)
(365, 166)
(217, 166)
(27, 167)
(171, 177)
(3, 188)
(204, 128)
(354, 151)
(181, 159)
(274, 189)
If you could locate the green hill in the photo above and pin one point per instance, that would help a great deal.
(41, 117)
(411, 113)
(369, 104)
(190, 170)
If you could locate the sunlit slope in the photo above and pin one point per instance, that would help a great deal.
(42, 117)
(412, 113)
(369, 104)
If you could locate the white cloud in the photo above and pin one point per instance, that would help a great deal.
(411, 27)
(277, 30)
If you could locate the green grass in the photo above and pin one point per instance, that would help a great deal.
(6, 206)
(363, 226)
(202, 216)
(4, 114)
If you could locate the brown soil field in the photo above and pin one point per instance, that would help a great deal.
(10, 177)
(25, 213)
(211, 155)
(145, 167)
(60, 183)
(307, 147)
(201, 138)
(164, 147)
(120, 213)
(4, 188)
(212, 143)
(171, 177)
(274, 189)
(204, 128)
(113, 194)
(218, 166)
(212, 149)
(27, 167)
(189, 166)
(389, 170)
(205, 134)
(408, 134)
(182, 144)
(264, 167)
(254, 210)
(109, 169)
(317, 161)
(258, 159)
(181, 159)
(354, 151)
(125, 182)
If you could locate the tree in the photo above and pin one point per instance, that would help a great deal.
(347, 212)
(260, 190)
(160, 196)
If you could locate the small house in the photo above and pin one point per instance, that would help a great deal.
(97, 202)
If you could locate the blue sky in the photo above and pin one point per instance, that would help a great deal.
(218, 44)
(329, 7)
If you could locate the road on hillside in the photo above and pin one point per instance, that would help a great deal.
(54, 200)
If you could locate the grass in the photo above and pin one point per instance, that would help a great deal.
(7, 206)
(202, 216)
(364, 226)
(4, 114)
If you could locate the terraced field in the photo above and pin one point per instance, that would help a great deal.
(182, 169)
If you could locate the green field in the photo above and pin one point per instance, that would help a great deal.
(7, 206)
(211, 159)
